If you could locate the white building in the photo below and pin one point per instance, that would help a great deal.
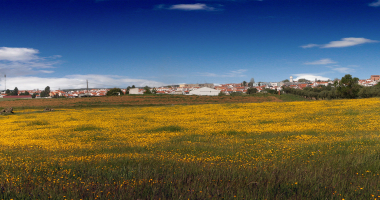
(205, 91)
(275, 84)
(136, 91)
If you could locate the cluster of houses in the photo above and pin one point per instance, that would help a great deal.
(370, 82)
(195, 89)
(61, 93)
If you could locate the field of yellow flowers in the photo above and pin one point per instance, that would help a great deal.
(273, 150)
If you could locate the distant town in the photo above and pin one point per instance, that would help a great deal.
(185, 89)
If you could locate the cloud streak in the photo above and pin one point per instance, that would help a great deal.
(344, 42)
(17, 54)
(76, 81)
(237, 73)
(310, 77)
(189, 7)
(325, 61)
(310, 46)
(375, 4)
(340, 69)
(343, 70)
(24, 61)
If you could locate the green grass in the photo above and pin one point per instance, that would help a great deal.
(13, 99)
(86, 128)
(340, 174)
(37, 123)
(291, 97)
(167, 129)
(326, 170)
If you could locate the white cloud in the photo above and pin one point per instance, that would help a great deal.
(24, 61)
(343, 70)
(197, 6)
(17, 54)
(375, 4)
(309, 46)
(76, 81)
(46, 71)
(344, 42)
(321, 62)
(310, 77)
(347, 42)
(237, 73)
(189, 7)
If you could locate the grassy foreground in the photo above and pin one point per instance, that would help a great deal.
(284, 150)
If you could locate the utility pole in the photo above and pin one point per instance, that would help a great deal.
(5, 78)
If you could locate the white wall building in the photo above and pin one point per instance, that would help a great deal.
(205, 91)
(136, 91)
(275, 84)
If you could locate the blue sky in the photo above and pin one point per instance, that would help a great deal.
(119, 43)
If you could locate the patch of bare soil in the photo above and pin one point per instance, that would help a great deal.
(136, 100)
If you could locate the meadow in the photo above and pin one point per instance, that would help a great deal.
(143, 100)
(269, 150)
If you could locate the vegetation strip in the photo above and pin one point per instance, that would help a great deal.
(271, 150)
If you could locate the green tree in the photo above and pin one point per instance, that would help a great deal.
(7, 91)
(332, 94)
(221, 93)
(364, 92)
(329, 86)
(348, 87)
(251, 82)
(34, 95)
(251, 90)
(154, 90)
(25, 93)
(367, 92)
(236, 94)
(270, 91)
(285, 81)
(127, 90)
(302, 80)
(43, 94)
(244, 83)
(15, 91)
(46, 92)
(133, 86)
(114, 92)
(323, 94)
(314, 95)
(147, 90)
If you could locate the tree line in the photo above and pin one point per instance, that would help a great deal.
(44, 93)
(117, 91)
(347, 88)
(111, 92)
(14, 92)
